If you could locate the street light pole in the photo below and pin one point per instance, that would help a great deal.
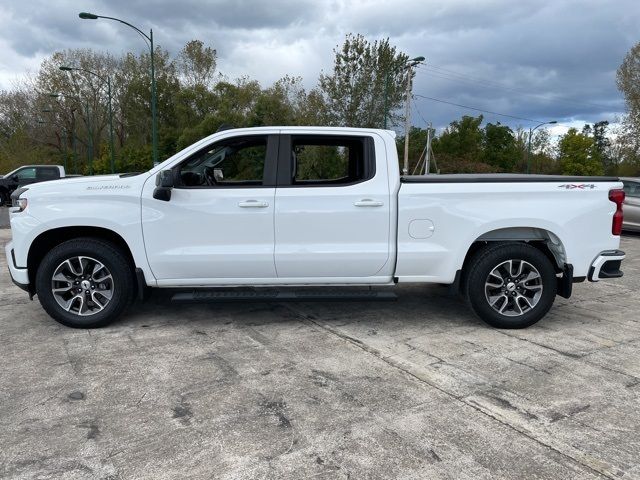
(407, 112)
(531, 130)
(108, 81)
(154, 113)
(154, 99)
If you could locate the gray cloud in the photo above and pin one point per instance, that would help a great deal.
(539, 60)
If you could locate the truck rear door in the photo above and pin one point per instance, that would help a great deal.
(332, 215)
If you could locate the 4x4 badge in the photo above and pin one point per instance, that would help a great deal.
(581, 186)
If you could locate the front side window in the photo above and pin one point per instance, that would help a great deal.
(26, 174)
(239, 161)
(318, 160)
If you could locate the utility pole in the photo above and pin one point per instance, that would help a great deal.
(427, 157)
(407, 122)
(407, 111)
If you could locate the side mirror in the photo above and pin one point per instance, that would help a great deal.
(164, 178)
(15, 178)
(164, 185)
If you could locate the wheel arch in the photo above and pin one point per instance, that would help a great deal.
(51, 238)
(544, 240)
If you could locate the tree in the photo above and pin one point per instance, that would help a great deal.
(462, 139)
(628, 81)
(499, 147)
(602, 146)
(577, 154)
(542, 159)
(364, 75)
(197, 64)
(625, 149)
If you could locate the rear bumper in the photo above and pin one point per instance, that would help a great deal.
(20, 276)
(606, 265)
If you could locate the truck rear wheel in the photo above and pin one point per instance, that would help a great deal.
(510, 285)
(85, 283)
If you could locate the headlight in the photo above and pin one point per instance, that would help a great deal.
(16, 201)
(21, 203)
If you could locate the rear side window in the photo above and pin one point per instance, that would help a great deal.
(48, 173)
(330, 160)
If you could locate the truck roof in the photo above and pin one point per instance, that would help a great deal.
(311, 127)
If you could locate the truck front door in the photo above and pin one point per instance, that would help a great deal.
(218, 225)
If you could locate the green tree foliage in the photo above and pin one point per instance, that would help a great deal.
(459, 149)
(363, 75)
(578, 155)
(602, 147)
(499, 147)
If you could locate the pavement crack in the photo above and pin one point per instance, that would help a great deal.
(591, 464)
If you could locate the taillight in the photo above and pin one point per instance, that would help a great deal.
(617, 197)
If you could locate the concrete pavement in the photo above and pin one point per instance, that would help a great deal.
(415, 389)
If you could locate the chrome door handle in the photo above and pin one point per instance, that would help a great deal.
(253, 204)
(367, 202)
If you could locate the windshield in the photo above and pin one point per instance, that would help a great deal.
(11, 172)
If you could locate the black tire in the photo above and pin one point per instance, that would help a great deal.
(106, 253)
(478, 285)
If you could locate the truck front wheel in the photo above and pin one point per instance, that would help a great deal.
(510, 285)
(85, 283)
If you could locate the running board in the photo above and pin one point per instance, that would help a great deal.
(222, 296)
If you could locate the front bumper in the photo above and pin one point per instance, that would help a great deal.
(606, 265)
(20, 276)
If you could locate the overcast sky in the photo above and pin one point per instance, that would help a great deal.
(539, 60)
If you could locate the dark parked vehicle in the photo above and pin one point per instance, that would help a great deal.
(25, 175)
(631, 207)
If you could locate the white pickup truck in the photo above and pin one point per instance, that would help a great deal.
(310, 206)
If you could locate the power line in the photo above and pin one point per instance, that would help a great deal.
(487, 111)
(477, 109)
(446, 74)
(418, 110)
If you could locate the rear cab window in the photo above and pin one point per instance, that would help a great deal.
(47, 173)
(325, 160)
